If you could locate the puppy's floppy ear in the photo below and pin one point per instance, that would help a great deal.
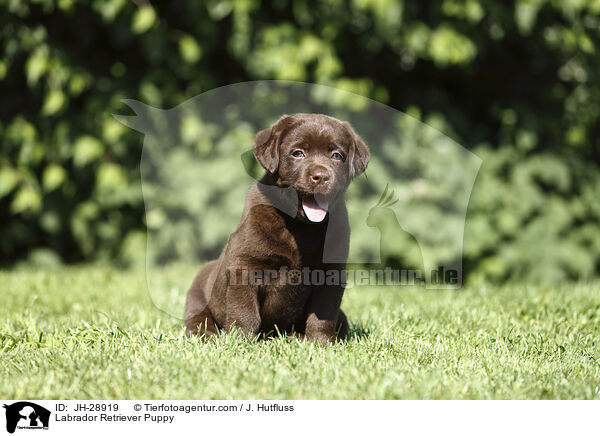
(267, 143)
(358, 154)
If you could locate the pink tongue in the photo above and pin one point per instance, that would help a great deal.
(314, 211)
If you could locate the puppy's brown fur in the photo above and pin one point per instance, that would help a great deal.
(307, 157)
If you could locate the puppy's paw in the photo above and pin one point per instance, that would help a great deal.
(320, 337)
(201, 325)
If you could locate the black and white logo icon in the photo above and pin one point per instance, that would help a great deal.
(26, 415)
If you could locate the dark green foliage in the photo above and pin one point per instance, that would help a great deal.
(516, 83)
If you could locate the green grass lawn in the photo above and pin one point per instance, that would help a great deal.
(93, 332)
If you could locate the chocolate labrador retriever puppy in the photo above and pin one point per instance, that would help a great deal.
(293, 228)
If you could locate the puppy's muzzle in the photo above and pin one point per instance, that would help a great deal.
(319, 177)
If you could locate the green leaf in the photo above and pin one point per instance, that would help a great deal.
(54, 102)
(219, 9)
(143, 19)
(8, 180)
(50, 221)
(111, 176)
(87, 149)
(112, 130)
(36, 66)
(448, 47)
(54, 176)
(109, 9)
(526, 15)
(3, 69)
(27, 199)
(190, 51)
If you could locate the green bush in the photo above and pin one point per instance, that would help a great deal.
(516, 83)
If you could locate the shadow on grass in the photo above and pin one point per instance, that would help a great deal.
(358, 331)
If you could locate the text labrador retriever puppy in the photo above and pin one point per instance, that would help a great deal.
(294, 222)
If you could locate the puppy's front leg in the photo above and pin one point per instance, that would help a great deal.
(242, 308)
(322, 313)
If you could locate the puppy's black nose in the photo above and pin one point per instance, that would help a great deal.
(319, 176)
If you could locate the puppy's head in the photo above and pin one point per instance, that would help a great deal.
(315, 154)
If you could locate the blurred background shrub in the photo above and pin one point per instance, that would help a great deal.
(514, 82)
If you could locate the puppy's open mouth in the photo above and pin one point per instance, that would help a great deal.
(315, 207)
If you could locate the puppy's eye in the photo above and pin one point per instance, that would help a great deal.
(337, 156)
(298, 153)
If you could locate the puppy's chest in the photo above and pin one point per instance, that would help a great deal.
(284, 303)
(283, 299)
(306, 246)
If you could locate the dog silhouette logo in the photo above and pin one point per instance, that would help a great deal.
(26, 415)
